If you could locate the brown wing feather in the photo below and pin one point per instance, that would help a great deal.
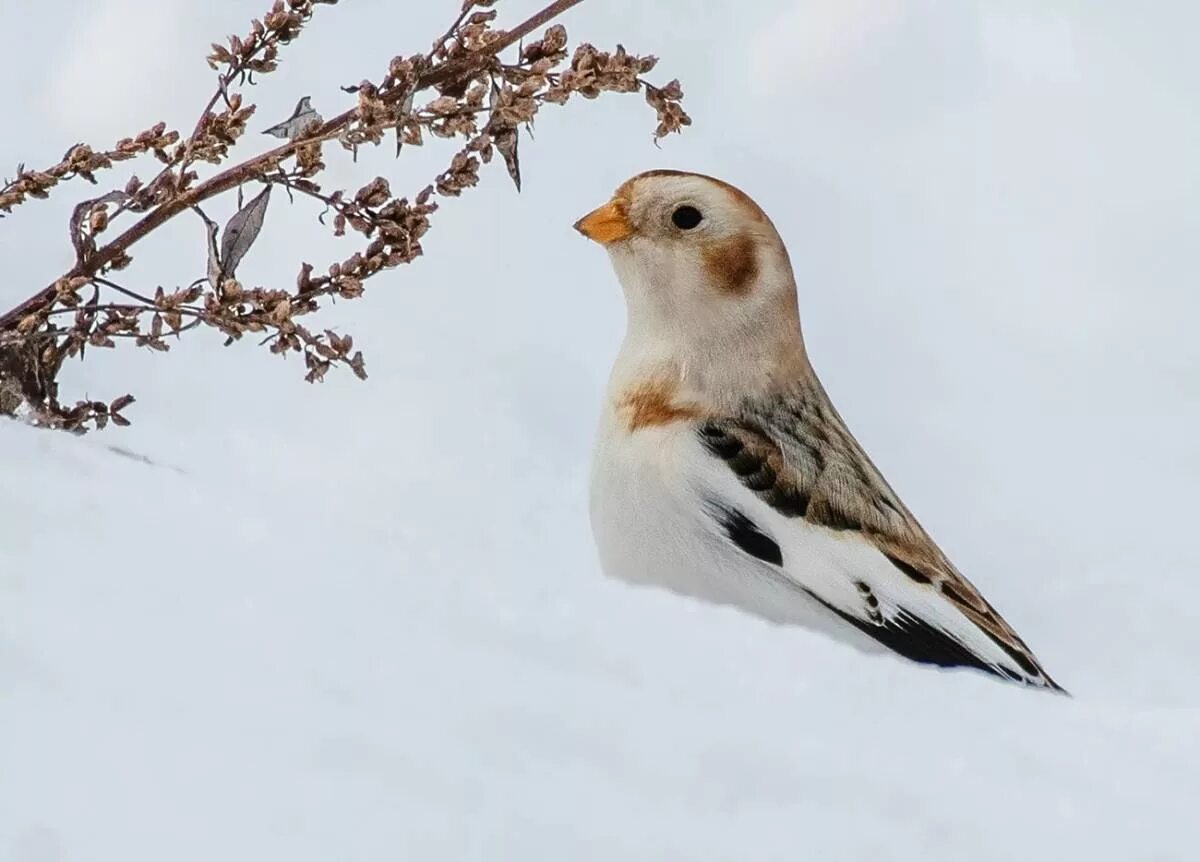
(796, 454)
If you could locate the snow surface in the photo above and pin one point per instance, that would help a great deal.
(364, 621)
(195, 669)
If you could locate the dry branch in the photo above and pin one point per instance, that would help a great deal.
(478, 97)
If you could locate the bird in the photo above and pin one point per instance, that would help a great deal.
(721, 469)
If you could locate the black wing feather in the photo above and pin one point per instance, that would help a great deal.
(745, 534)
(917, 640)
(903, 633)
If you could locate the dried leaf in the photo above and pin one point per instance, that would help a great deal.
(358, 366)
(506, 144)
(80, 241)
(241, 231)
(303, 118)
(213, 270)
(401, 131)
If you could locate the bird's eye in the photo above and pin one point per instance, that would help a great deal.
(686, 217)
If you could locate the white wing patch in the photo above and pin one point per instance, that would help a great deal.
(853, 579)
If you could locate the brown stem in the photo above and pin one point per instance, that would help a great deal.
(190, 311)
(249, 170)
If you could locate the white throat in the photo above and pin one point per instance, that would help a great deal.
(714, 349)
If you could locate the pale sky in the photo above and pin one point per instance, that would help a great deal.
(992, 208)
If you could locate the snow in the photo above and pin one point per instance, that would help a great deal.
(195, 669)
(365, 620)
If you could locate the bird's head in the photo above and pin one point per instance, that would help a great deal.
(704, 271)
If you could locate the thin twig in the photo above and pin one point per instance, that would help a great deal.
(246, 171)
(131, 294)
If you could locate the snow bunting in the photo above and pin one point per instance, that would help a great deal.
(722, 470)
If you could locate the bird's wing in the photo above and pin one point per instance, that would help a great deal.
(788, 485)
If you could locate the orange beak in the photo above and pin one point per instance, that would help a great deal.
(606, 225)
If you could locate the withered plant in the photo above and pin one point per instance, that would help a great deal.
(478, 84)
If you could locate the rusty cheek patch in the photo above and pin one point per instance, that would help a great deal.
(732, 264)
(650, 405)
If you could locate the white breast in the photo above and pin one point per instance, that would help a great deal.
(648, 494)
(640, 511)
